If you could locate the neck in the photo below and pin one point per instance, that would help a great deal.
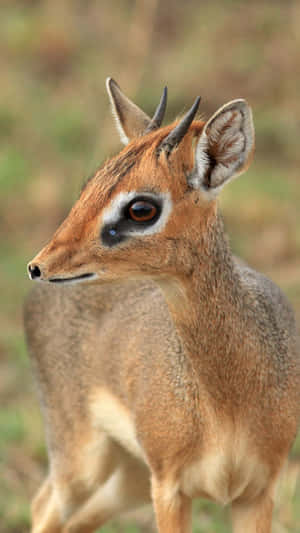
(204, 302)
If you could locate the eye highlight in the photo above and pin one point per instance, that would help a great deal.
(142, 211)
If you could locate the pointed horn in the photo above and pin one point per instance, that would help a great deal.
(177, 134)
(159, 113)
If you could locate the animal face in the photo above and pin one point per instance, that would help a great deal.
(146, 207)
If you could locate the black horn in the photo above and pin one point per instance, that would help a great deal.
(159, 113)
(177, 134)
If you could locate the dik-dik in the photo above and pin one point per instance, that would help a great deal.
(168, 370)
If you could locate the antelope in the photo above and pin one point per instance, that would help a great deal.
(167, 368)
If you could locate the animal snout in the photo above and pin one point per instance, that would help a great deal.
(34, 271)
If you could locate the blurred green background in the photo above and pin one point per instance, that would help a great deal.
(56, 128)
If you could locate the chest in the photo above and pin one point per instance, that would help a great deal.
(227, 468)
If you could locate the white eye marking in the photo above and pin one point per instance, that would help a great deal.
(114, 212)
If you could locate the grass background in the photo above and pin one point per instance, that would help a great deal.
(56, 128)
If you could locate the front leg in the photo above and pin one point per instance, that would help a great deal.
(45, 510)
(254, 516)
(173, 510)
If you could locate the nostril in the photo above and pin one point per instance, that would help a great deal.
(34, 271)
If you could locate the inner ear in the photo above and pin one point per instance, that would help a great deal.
(225, 146)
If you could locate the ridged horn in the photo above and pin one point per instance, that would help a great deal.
(177, 134)
(159, 113)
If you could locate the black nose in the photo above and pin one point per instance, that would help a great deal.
(34, 272)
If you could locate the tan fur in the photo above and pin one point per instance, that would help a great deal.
(179, 366)
(255, 515)
(225, 471)
(111, 416)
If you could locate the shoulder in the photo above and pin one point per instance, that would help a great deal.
(266, 300)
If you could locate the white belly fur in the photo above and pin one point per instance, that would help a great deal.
(227, 470)
(111, 416)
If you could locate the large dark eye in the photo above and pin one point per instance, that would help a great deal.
(142, 211)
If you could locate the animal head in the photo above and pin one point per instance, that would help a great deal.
(146, 206)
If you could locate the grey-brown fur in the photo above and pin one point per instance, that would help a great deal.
(196, 354)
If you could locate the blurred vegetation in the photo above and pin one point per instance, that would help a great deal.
(55, 128)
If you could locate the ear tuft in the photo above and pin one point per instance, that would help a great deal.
(225, 147)
(131, 121)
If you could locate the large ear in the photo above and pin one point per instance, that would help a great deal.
(224, 148)
(130, 119)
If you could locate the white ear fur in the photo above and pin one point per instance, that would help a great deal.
(224, 148)
(131, 121)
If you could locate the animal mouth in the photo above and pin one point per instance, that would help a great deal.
(74, 278)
